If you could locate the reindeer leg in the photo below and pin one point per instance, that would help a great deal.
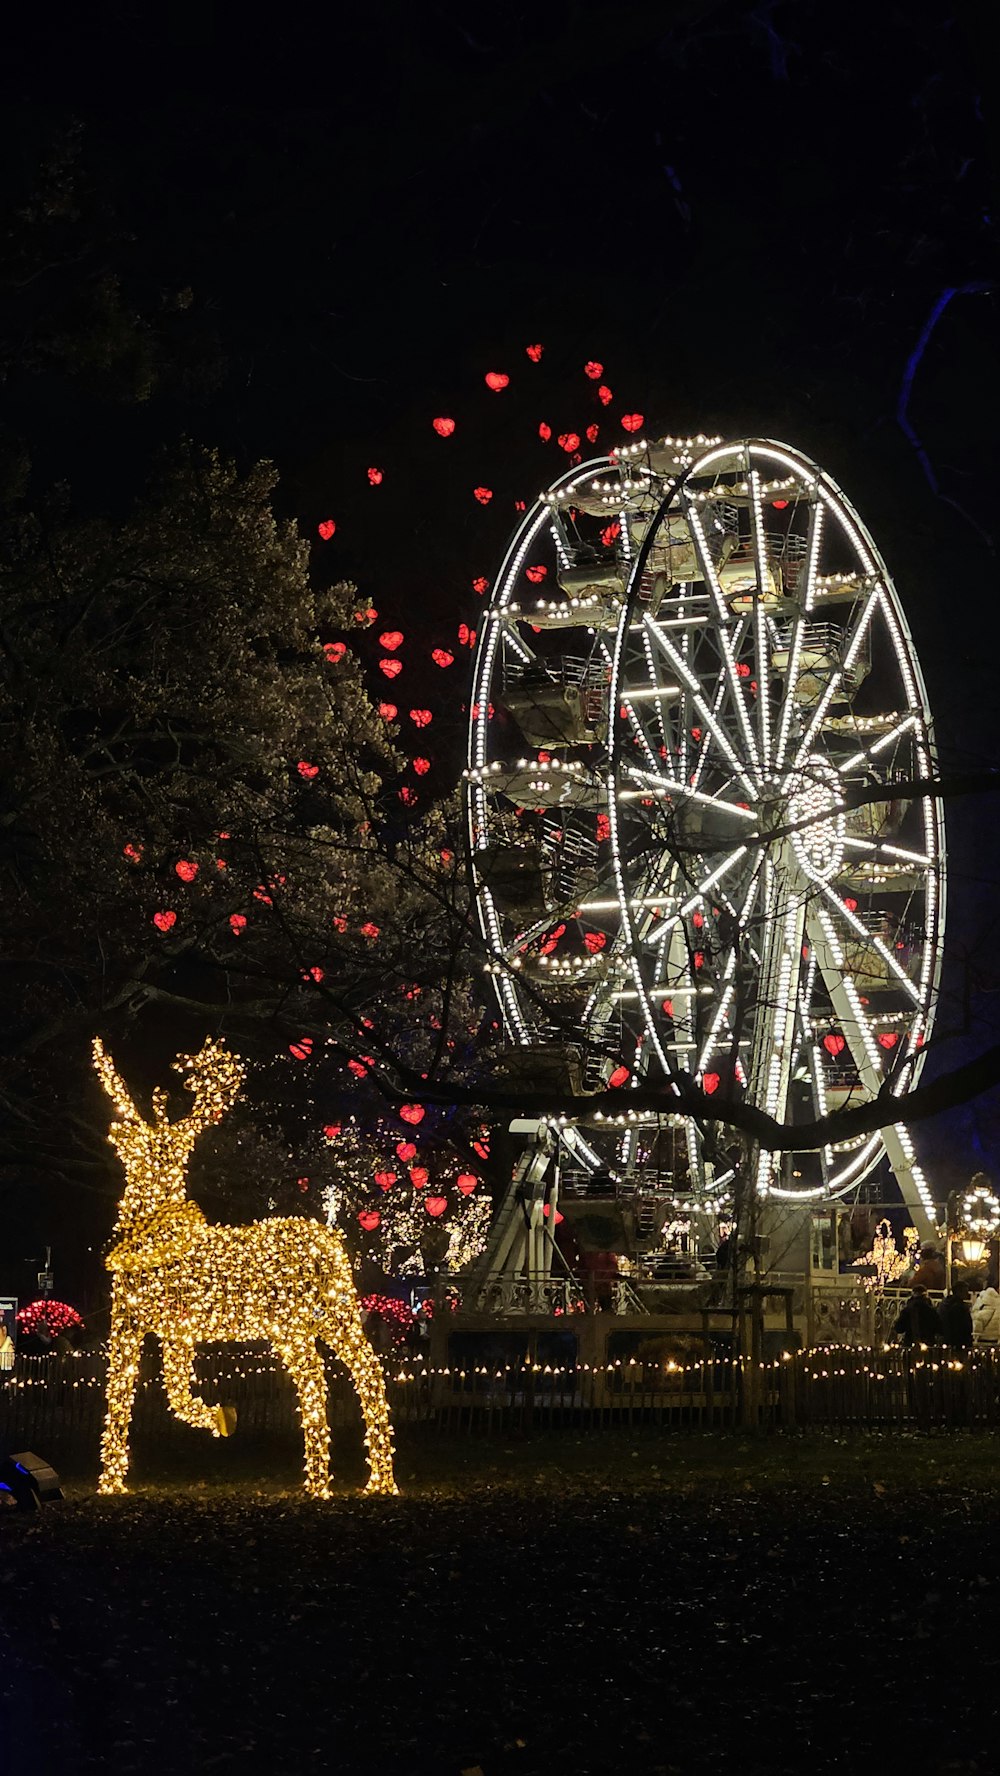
(177, 1360)
(124, 1349)
(305, 1366)
(352, 1347)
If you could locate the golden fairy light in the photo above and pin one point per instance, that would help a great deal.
(287, 1280)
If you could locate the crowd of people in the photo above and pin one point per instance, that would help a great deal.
(965, 1316)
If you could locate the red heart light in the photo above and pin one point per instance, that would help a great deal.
(443, 427)
(546, 1211)
(388, 711)
(699, 958)
(405, 1150)
(164, 921)
(133, 853)
(466, 1183)
(421, 766)
(592, 431)
(480, 586)
(496, 380)
(483, 495)
(407, 796)
(305, 769)
(779, 505)
(549, 943)
(370, 930)
(710, 1083)
(357, 1068)
(618, 1077)
(466, 636)
(422, 718)
(482, 1148)
(544, 432)
(385, 1180)
(366, 614)
(632, 421)
(611, 533)
(237, 923)
(435, 1205)
(536, 574)
(413, 1113)
(594, 371)
(603, 827)
(301, 1049)
(391, 668)
(851, 905)
(419, 1176)
(369, 1219)
(391, 640)
(332, 1130)
(888, 1039)
(604, 395)
(442, 658)
(667, 1008)
(834, 1043)
(375, 477)
(326, 529)
(334, 651)
(568, 441)
(595, 942)
(186, 869)
(534, 352)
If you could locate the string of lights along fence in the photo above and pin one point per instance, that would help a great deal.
(284, 1280)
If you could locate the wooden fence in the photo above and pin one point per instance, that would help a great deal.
(57, 1403)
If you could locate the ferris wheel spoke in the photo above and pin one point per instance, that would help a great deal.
(790, 706)
(724, 619)
(869, 940)
(688, 677)
(867, 753)
(761, 635)
(839, 674)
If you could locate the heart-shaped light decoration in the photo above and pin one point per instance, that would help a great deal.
(370, 930)
(164, 921)
(568, 441)
(534, 352)
(186, 869)
(710, 1083)
(851, 905)
(331, 1130)
(594, 371)
(412, 1113)
(667, 1008)
(334, 651)
(592, 431)
(482, 1148)
(544, 432)
(888, 1039)
(421, 766)
(419, 1176)
(369, 1219)
(443, 427)
(442, 658)
(375, 477)
(496, 380)
(618, 1077)
(834, 1043)
(406, 1150)
(594, 942)
(407, 796)
(632, 421)
(435, 1205)
(480, 586)
(385, 1180)
(536, 574)
(483, 495)
(133, 853)
(237, 923)
(603, 827)
(358, 1068)
(366, 614)
(547, 1210)
(391, 668)
(466, 1183)
(421, 718)
(388, 711)
(605, 395)
(391, 639)
(326, 529)
(305, 769)
(301, 1049)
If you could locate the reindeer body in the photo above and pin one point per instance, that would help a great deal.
(285, 1280)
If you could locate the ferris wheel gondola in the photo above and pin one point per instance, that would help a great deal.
(697, 721)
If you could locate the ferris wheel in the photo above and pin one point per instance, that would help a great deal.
(696, 702)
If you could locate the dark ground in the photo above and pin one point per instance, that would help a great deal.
(637, 1601)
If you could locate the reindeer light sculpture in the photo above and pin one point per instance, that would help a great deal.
(288, 1281)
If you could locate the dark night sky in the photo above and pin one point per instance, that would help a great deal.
(746, 213)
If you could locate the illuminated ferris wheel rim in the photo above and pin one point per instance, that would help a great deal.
(693, 460)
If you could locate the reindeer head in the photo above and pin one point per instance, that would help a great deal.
(155, 1154)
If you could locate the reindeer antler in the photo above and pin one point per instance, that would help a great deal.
(214, 1079)
(113, 1084)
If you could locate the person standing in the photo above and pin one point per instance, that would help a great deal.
(956, 1318)
(919, 1322)
(986, 1317)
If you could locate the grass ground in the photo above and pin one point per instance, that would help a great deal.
(640, 1601)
